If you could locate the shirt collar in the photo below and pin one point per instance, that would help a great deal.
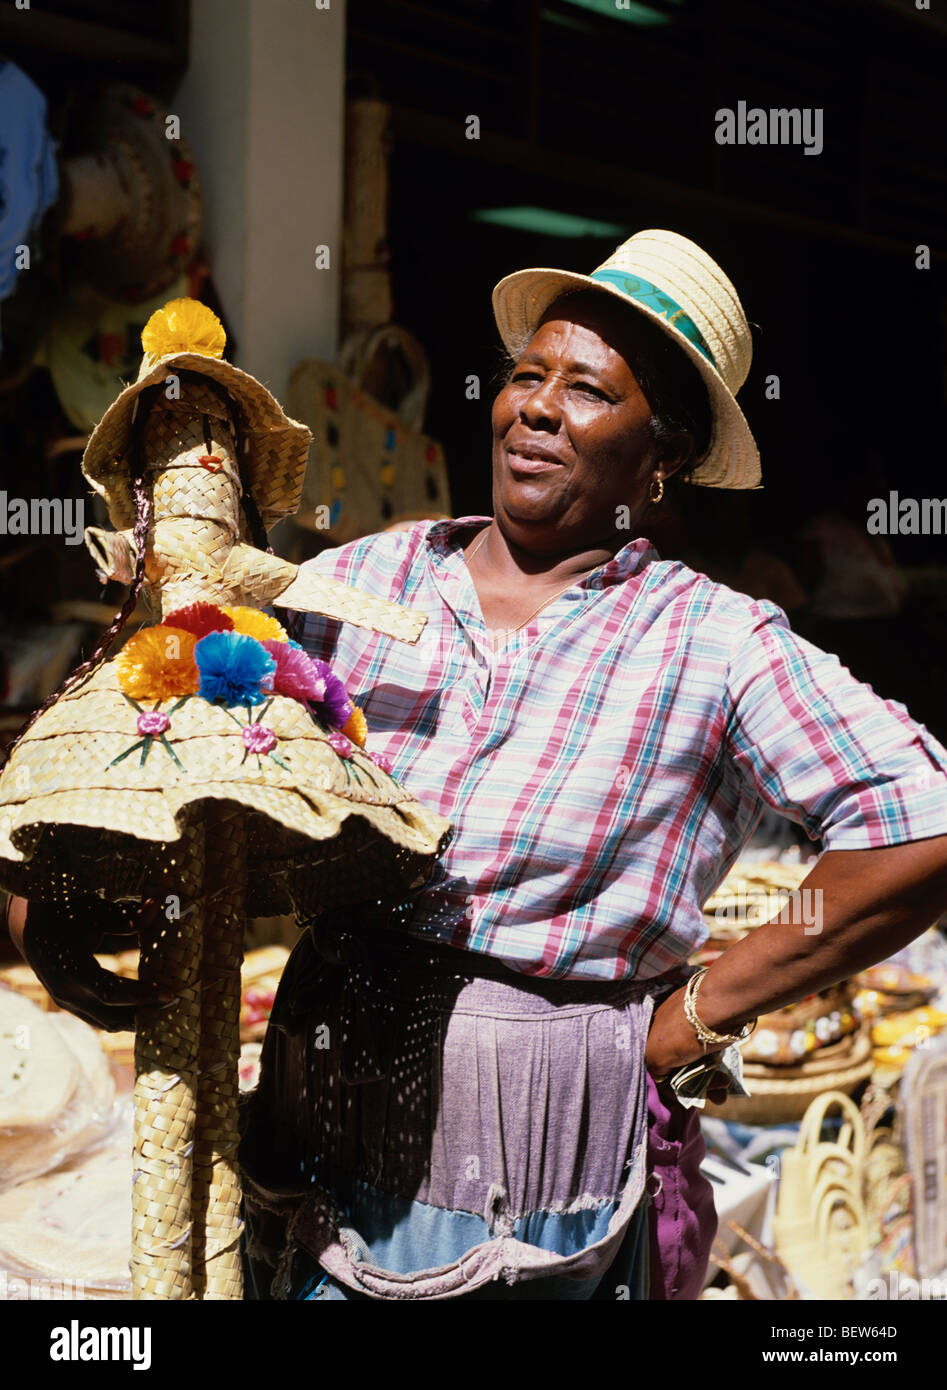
(442, 539)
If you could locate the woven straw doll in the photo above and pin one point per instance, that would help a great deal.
(210, 764)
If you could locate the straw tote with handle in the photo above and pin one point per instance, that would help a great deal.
(373, 464)
(819, 1228)
(206, 767)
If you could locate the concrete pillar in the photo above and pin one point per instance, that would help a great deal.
(262, 105)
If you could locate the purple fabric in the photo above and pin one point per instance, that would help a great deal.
(683, 1220)
(517, 1102)
(427, 1069)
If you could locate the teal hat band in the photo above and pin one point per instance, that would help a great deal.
(652, 298)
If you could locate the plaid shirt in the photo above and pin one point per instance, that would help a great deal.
(605, 767)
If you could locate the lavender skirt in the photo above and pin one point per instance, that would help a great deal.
(430, 1125)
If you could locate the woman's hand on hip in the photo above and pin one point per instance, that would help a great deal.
(59, 944)
(672, 1043)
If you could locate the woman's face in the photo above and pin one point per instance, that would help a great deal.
(572, 443)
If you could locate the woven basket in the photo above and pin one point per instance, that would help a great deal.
(781, 1095)
(813, 1025)
(819, 1227)
(370, 465)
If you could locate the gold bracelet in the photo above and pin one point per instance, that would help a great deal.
(706, 1036)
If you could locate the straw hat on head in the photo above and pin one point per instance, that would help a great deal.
(186, 335)
(675, 284)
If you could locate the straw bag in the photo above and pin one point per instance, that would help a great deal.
(819, 1228)
(371, 465)
(887, 1195)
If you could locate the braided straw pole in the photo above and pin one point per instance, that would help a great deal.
(166, 1056)
(217, 1268)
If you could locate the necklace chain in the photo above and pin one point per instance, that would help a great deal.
(545, 600)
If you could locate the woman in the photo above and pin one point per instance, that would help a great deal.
(467, 1094)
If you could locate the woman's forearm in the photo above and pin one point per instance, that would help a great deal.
(855, 908)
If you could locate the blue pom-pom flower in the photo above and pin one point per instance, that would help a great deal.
(232, 668)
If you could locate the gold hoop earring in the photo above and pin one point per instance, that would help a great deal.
(657, 499)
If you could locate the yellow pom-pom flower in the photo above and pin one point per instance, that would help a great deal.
(184, 325)
(356, 727)
(158, 662)
(252, 623)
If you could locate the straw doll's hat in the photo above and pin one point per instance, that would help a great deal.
(671, 281)
(186, 335)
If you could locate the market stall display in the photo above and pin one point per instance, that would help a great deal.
(857, 1198)
(211, 765)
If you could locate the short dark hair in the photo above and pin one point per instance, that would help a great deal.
(672, 385)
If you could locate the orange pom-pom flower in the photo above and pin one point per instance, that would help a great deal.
(356, 727)
(157, 663)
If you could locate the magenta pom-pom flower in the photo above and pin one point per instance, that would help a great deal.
(296, 675)
(383, 761)
(258, 739)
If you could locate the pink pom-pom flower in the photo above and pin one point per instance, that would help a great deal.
(296, 674)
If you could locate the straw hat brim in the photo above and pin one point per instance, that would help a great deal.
(273, 467)
(732, 459)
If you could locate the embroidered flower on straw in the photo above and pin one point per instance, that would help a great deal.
(153, 723)
(356, 727)
(232, 668)
(335, 704)
(258, 739)
(184, 325)
(343, 746)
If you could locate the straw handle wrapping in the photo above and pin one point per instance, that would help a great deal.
(166, 1053)
(217, 1193)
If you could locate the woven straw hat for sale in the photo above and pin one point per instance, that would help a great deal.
(671, 281)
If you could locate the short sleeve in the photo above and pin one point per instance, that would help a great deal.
(821, 747)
